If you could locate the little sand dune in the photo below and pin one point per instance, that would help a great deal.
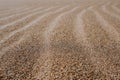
(59, 39)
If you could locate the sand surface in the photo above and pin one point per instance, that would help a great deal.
(59, 39)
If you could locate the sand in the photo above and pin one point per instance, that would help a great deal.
(59, 39)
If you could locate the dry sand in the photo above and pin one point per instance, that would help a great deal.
(59, 39)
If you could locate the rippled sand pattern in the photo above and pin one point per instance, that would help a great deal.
(59, 39)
